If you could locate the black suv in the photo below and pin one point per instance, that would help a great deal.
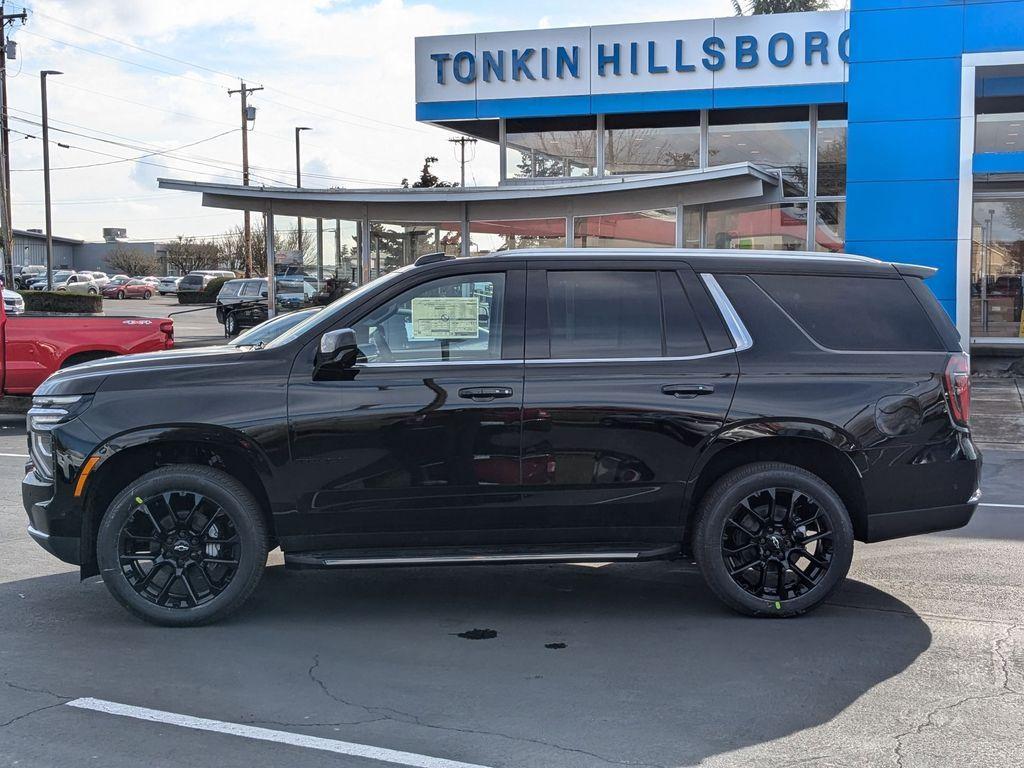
(756, 412)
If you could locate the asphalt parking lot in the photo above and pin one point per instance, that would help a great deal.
(917, 661)
(193, 326)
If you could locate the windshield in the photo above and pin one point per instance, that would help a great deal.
(267, 331)
(334, 309)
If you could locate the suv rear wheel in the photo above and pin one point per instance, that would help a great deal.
(772, 539)
(182, 545)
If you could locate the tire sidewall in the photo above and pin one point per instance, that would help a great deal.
(235, 500)
(720, 503)
(230, 325)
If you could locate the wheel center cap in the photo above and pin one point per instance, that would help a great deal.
(776, 542)
(181, 547)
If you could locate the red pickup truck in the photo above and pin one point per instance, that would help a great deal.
(34, 346)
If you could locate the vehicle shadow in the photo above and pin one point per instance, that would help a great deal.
(576, 666)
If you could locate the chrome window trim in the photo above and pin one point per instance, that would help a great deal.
(579, 360)
(432, 363)
(740, 335)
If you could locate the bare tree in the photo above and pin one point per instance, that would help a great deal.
(187, 254)
(131, 261)
(232, 249)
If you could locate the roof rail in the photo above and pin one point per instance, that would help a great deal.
(431, 258)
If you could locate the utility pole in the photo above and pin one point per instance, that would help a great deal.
(298, 185)
(248, 115)
(462, 141)
(6, 235)
(46, 180)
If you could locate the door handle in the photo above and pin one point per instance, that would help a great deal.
(485, 393)
(687, 391)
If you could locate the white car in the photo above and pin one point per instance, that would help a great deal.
(13, 303)
(168, 284)
(100, 278)
(82, 282)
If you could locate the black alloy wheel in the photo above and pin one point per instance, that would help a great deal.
(777, 544)
(231, 325)
(772, 539)
(178, 549)
(182, 545)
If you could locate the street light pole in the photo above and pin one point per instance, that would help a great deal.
(298, 184)
(46, 179)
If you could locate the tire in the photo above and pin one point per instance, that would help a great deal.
(755, 548)
(93, 291)
(229, 509)
(146, 295)
(230, 325)
(120, 294)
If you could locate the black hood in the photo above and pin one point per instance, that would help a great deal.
(89, 378)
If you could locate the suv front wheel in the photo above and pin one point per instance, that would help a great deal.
(772, 539)
(182, 545)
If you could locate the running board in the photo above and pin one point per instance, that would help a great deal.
(376, 558)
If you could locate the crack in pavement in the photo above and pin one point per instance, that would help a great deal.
(27, 689)
(1002, 665)
(408, 718)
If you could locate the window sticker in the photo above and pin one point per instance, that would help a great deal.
(445, 318)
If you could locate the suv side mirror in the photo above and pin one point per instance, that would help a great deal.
(338, 350)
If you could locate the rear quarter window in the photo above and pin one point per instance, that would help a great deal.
(854, 313)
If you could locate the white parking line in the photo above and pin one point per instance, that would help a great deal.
(1007, 506)
(14, 455)
(265, 734)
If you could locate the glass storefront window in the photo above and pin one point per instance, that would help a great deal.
(761, 228)
(397, 245)
(830, 227)
(488, 236)
(652, 143)
(1000, 133)
(557, 147)
(997, 266)
(832, 157)
(780, 141)
(639, 229)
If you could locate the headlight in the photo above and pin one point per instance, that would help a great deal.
(45, 414)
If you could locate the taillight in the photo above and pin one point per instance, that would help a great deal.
(958, 388)
(167, 327)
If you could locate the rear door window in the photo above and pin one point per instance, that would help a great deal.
(230, 289)
(251, 288)
(854, 313)
(604, 314)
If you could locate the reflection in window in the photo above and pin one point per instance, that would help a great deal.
(1000, 133)
(832, 157)
(652, 143)
(644, 229)
(691, 227)
(454, 318)
(596, 314)
(762, 228)
(830, 227)
(396, 245)
(997, 263)
(782, 144)
(553, 147)
(488, 236)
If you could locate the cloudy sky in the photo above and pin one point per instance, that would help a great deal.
(150, 76)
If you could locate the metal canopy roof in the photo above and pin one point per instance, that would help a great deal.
(516, 200)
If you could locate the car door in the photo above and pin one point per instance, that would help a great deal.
(624, 383)
(419, 443)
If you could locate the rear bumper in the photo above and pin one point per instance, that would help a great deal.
(910, 522)
(48, 529)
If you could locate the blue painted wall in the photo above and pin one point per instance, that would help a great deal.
(904, 139)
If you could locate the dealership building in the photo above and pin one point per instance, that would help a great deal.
(893, 130)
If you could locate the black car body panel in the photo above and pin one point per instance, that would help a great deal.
(572, 450)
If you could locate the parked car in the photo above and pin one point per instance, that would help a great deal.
(14, 304)
(168, 285)
(28, 275)
(35, 346)
(130, 289)
(194, 282)
(756, 412)
(100, 278)
(242, 304)
(82, 282)
(59, 278)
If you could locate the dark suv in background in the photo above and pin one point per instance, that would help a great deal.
(756, 412)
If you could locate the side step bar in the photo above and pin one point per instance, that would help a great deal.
(479, 556)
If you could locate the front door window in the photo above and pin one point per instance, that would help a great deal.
(450, 319)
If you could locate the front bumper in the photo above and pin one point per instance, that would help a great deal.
(49, 528)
